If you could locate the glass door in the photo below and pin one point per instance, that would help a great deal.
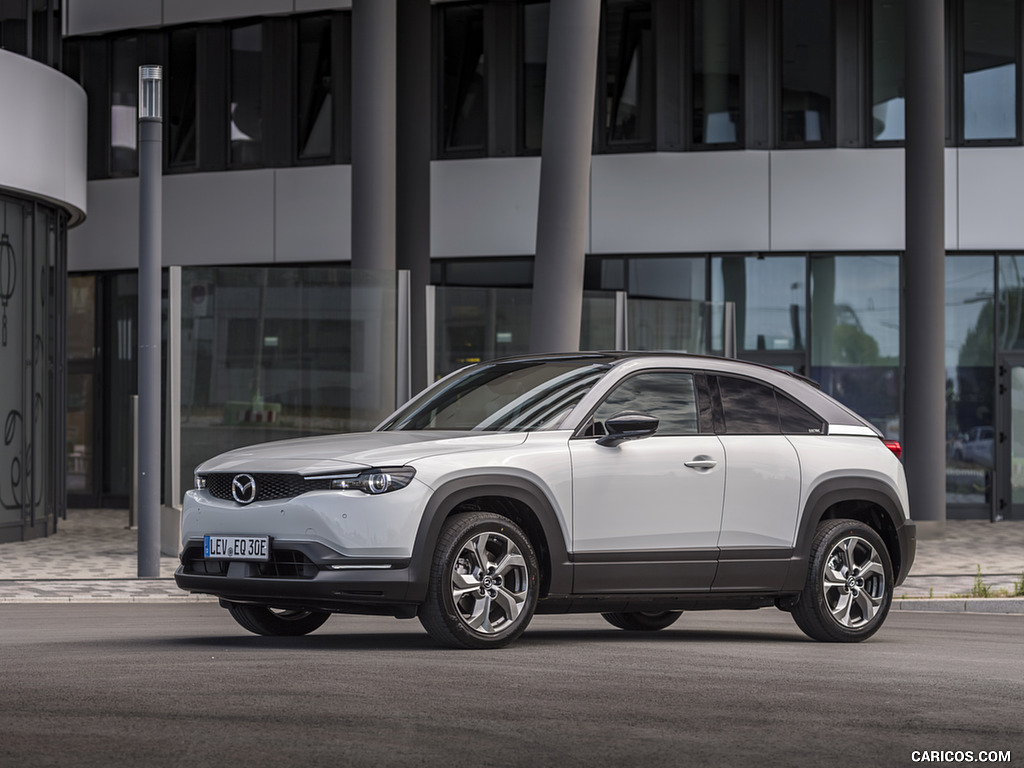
(1007, 440)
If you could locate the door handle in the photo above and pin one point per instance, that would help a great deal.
(701, 462)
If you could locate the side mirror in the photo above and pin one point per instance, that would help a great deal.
(628, 425)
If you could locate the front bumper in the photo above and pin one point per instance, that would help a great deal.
(302, 575)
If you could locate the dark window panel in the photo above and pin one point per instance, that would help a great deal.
(670, 397)
(182, 99)
(990, 70)
(888, 99)
(716, 84)
(807, 87)
(532, 77)
(314, 88)
(124, 100)
(629, 68)
(245, 105)
(795, 419)
(14, 26)
(463, 80)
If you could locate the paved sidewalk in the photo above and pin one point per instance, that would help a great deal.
(93, 558)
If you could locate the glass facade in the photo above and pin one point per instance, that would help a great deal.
(535, 66)
(855, 321)
(314, 88)
(32, 270)
(181, 99)
(769, 294)
(270, 353)
(124, 104)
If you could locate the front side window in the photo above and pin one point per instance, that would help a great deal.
(246, 100)
(806, 81)
(629, 73)
(990, 69)
(668, 396)
(464, 80)
(716, 80)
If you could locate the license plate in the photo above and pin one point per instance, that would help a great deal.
(236, 547)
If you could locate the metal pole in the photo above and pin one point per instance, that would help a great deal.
(924, 267)
(150, 258)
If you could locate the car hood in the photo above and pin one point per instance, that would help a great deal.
(340, 453)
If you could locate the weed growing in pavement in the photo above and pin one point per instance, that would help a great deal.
(1018, 586)
(980, 588)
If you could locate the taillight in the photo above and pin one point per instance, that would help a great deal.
(894, 446)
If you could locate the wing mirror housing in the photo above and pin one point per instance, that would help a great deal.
(628, 425)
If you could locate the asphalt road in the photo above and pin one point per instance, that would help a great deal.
(182, 685)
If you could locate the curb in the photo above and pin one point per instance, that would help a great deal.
(1008, 605)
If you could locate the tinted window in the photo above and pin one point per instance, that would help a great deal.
(668, 396)
(749, 407)
(795, 419)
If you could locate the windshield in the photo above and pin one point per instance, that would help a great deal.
(520, 396)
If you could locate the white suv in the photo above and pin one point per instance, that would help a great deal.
(635, 485)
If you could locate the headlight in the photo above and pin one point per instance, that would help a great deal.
(375, 481)
(200, 481)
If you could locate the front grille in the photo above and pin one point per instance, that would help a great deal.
(287, 564)
(283, 564)
(269, 485)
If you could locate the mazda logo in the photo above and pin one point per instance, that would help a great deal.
(243, 489)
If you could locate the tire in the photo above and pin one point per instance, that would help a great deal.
(261, 620)
(483, 582)
(641, 621)
(849, 584)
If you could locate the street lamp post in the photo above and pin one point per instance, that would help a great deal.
(150, 258)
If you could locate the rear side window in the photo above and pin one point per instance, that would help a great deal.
(795, 419)
(748, 407)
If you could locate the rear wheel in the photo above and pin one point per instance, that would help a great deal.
(849, 584)
(483, 582)
(642, 621)
(261, 620)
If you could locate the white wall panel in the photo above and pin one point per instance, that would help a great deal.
(837, 199)
(87, 17)
(991, 214)
(219, 218)
(42, 133)
(313, 212)
(485, 207)
(109, 238)
(679, 202)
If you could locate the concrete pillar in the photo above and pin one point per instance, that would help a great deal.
(374, 95)
(562, 217)
(413, 174)
(924, 267)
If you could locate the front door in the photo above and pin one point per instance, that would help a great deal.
(1007, 439)
(647, 513)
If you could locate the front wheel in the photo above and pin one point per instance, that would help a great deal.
(483, 582)
(849, 584)
(642, 621)
(261, 620)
